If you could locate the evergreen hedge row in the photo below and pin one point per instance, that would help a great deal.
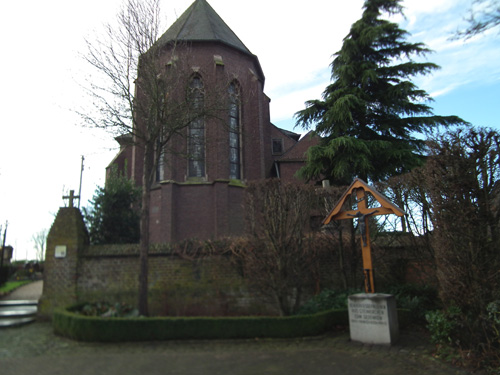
(84, 328)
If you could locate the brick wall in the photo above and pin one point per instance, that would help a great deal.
(188, 282)
(68, 233)
(208, 207)
(177, 285)
(201, 210)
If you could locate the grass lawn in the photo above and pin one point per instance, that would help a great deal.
(11, 285)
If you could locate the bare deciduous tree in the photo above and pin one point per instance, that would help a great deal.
(409, 192)
(277, 258)
(463, 182)
(482, 15)
(141, 90)
(463, 179)
(343, 237)
(39, 240)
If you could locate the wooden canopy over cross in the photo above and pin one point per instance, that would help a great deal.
(360, 190)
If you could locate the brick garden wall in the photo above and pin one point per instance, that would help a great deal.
(187, 282)
(177, 286)
(181, 283)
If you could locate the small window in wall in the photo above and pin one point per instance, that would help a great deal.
(196, 130)
(277, 146)
(234, 133)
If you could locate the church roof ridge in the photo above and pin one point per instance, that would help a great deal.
(298, 150)
(200, 22)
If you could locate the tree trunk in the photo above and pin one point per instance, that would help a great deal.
(298, 299)
(144, 242)
(283, 304)
(343, 273)
(354, 254)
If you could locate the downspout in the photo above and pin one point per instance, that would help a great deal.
(276, 166)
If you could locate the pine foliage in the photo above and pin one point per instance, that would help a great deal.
(112, 217)
(371, 115)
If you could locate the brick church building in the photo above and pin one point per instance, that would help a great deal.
(202, 197)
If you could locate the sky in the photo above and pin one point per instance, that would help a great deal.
(43, 140)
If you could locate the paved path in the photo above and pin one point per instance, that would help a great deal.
(31, 291)
(35, 349)
(20, 306)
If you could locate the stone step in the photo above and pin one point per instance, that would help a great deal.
(20, 302)
(13, 322)
(17, 312)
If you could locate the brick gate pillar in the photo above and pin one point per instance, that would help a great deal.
(67, 238)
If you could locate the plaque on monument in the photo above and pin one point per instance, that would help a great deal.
(373, 318)
(60, 251)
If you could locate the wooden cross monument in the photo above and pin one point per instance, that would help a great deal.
(360, 190)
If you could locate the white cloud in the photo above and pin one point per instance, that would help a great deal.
(285, 106)
(429, 7)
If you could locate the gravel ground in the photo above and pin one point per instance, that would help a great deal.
(36, 349)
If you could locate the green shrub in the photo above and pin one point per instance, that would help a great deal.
(418, 299)
(5, 273)
(442, 324)
(112, 216)
(493, 310)
(107, 310)
(405, 318)
(68, 323)
(328, 299)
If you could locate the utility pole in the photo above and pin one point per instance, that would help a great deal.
(80, 190)
(3, 245)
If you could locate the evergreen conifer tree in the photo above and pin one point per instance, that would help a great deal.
(113, 217)
(372, 114)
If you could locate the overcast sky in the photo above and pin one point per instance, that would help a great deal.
(41, 65)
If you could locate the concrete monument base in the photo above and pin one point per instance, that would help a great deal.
(373, 318)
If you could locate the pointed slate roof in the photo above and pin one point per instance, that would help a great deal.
(201, 23)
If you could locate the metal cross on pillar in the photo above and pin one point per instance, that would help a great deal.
(362, 212)
(71, 197)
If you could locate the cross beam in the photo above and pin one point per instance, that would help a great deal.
(71, 197)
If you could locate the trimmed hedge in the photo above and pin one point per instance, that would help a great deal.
(406, 318)
(69, 324)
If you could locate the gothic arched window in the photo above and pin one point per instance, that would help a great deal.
(196, 129)
(234, 133)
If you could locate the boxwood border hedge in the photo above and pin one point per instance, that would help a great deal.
(69, 324)
(85, 328)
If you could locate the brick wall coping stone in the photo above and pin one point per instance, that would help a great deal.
(132, 250)
(235, 183)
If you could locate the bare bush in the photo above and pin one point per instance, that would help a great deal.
(278, 258)
(463, 184)
(462, 178)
